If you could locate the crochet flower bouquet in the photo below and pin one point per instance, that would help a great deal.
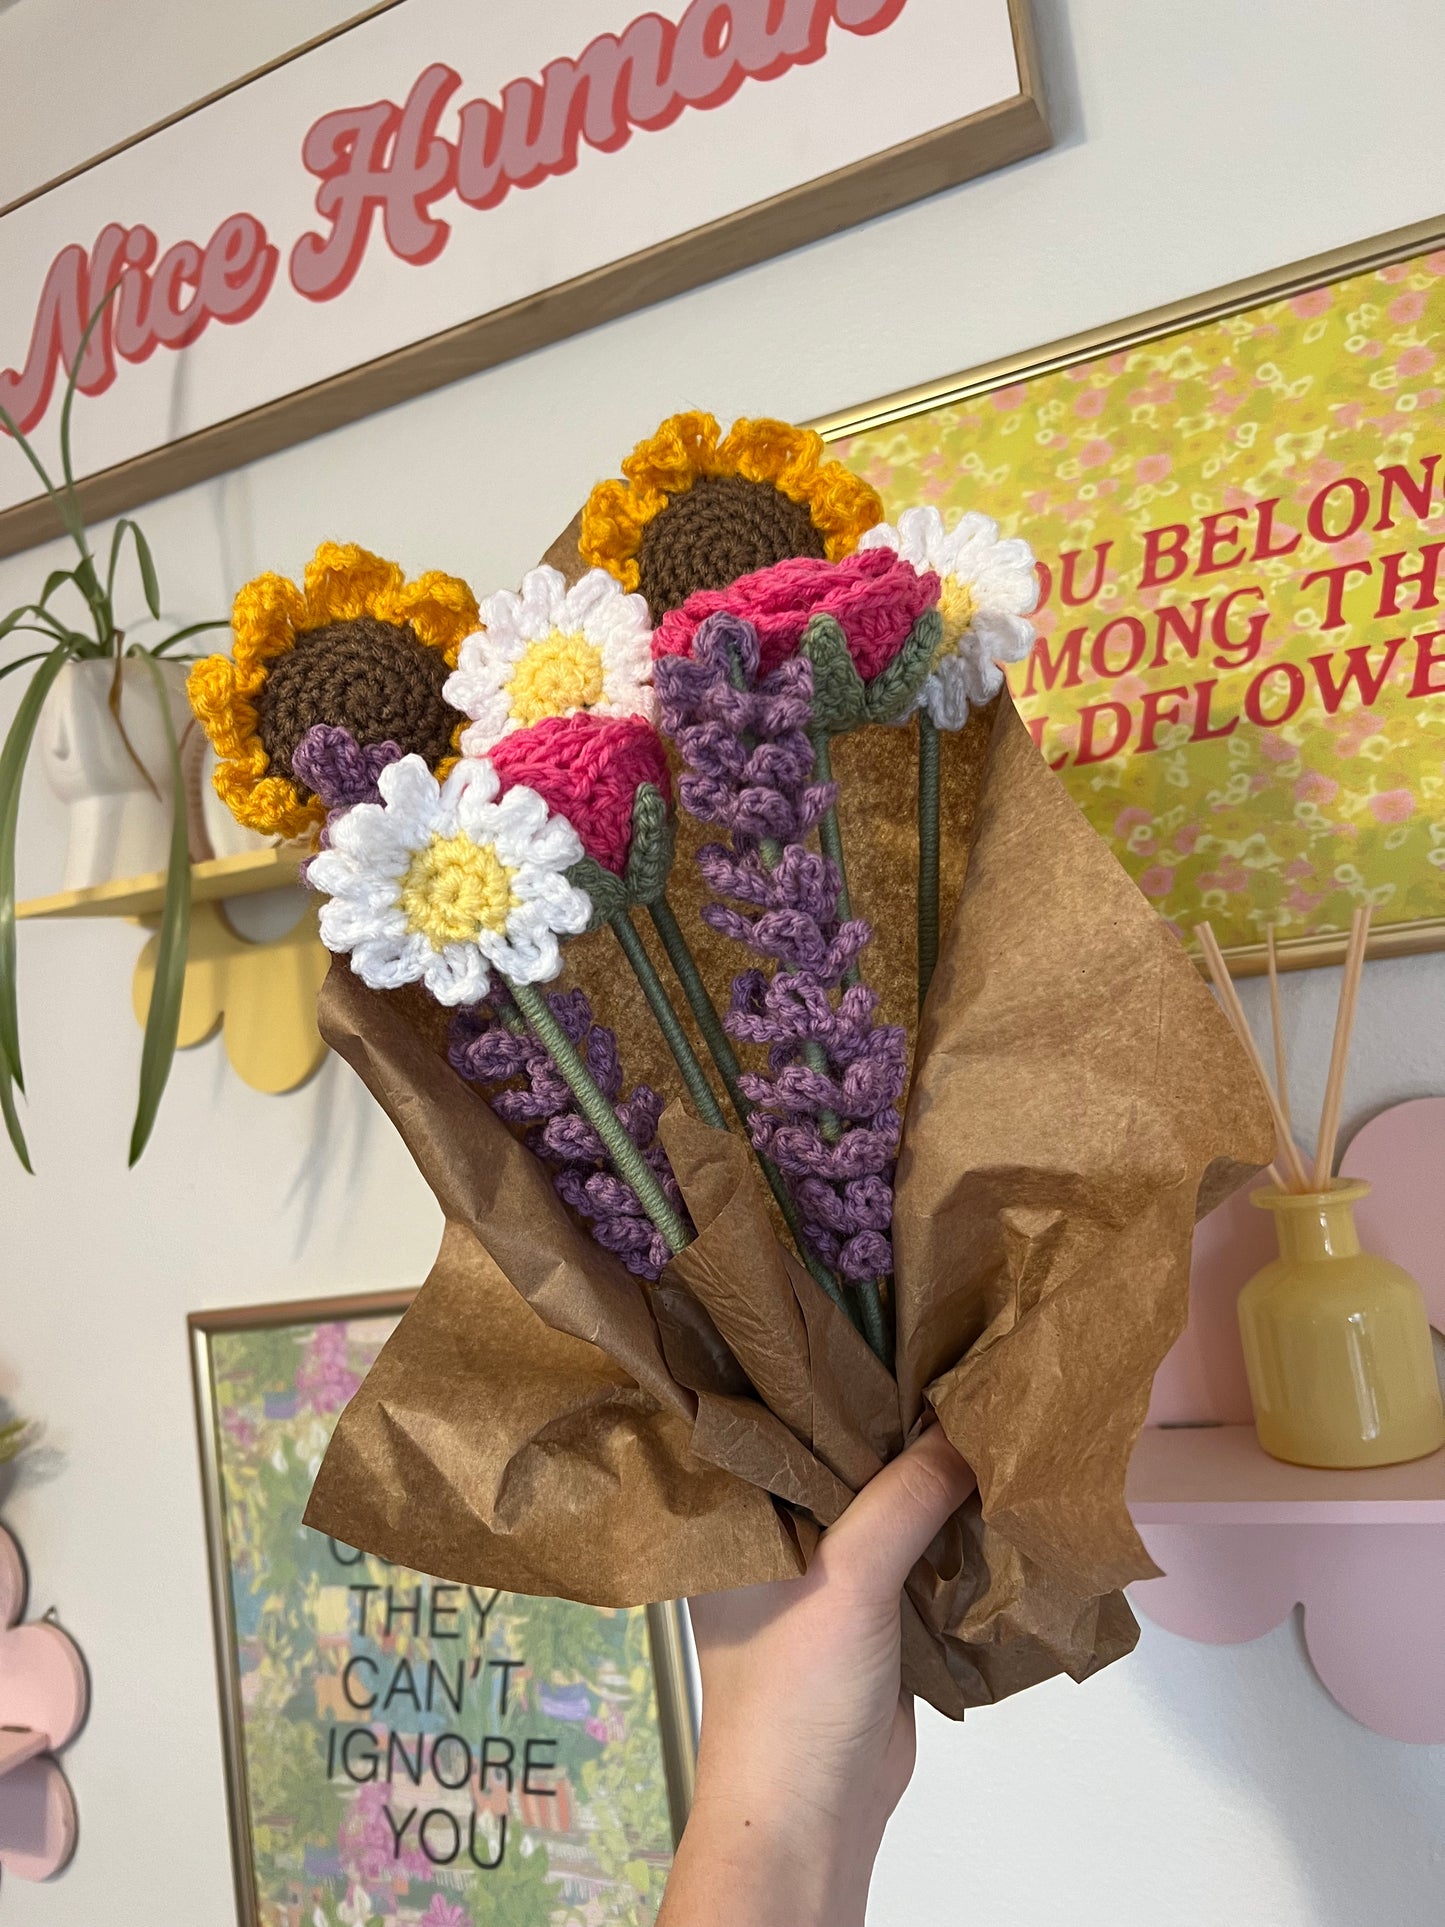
(792, 1063)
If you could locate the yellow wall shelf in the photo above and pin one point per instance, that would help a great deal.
(141, 897)
(261, 995)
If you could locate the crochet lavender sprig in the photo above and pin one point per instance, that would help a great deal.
(524, 1086)
(826, 1111)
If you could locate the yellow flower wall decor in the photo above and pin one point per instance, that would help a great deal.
(262, 996)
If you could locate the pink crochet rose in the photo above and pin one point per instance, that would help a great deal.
(589, 769)
(875, 597)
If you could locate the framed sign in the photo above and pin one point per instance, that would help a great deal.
(398, 1749)
(1238, 505)
(438, 186)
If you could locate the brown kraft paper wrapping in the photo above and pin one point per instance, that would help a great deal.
(543, 1422)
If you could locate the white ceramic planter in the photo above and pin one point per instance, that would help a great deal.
(118, 825)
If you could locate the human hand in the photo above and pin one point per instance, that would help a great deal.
(807, 1740)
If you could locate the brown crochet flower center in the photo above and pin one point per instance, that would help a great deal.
(722, 527)
(377, 680)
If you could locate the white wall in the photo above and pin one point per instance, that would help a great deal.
(1196, 145)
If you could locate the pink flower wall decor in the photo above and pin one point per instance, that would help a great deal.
(44, 1697)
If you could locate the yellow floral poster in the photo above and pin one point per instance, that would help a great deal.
(1240, 663)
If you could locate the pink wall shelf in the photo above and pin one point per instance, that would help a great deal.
(1243, 1539)
(1216, 1475)
(44, 1697)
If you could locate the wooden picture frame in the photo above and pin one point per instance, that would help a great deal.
(917, 444)
(315, 1349)
(994, 137)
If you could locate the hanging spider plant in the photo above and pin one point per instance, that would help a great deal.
(75, 617)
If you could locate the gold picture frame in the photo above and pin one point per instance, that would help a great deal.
(350, 1330)
(871, 436)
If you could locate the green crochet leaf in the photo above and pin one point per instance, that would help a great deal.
(649, 860)
(840, 700)
(892, 690)
(607, 892)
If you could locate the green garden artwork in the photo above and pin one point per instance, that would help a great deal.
(404, 1751)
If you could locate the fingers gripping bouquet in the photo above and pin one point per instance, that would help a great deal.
(793, 1065)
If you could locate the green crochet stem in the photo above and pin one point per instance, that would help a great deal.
(704, 1011)
(629, 1162)
(831, 839)
(653, 989)
(927, 852)
(875, 1325)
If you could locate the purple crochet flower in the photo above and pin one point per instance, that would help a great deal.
(338, 769)
(826, 1111)
(341, 771)
(524, 1086)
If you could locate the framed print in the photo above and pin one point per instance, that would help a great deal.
(398, 1749)
(1238, 505)
(438, 186)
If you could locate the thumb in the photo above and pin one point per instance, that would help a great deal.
(898, 1514)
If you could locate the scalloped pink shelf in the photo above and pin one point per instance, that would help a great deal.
(1216, 1475)
(1243, 1540)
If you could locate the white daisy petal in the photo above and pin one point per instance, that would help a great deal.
(596, 591)
(457, 974)
(409, 791)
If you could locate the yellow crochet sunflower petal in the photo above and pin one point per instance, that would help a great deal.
(843, 507)
(772, 451)
(344, 581)
(612, 525)
(682, 448)
(264, 619)
(440, 608)
(271, 805)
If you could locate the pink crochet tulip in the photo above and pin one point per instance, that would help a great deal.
(589, 769)
(875, 597)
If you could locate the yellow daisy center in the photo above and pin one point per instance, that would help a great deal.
(557, 674)
(958, 609)
(454, 889)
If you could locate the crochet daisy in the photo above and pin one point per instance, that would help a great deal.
(989, 588)
(553, 651)
(356, 647)
(441, 883)
(700, 508)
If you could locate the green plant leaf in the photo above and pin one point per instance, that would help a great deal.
(12, 1119)
(52, 627)
(72, 379)
(150, 582)
(184, 635)
(20, 661)
(12, 770)
(23, 443)
(56, 579)
(163, 1018)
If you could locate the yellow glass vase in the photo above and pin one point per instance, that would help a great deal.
(1336, 1341)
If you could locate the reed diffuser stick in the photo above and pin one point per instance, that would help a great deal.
(1234, 1011)
(1276, 1024)
(1340, 1053)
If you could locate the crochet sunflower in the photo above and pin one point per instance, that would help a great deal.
(356, 647)
(699, 509)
